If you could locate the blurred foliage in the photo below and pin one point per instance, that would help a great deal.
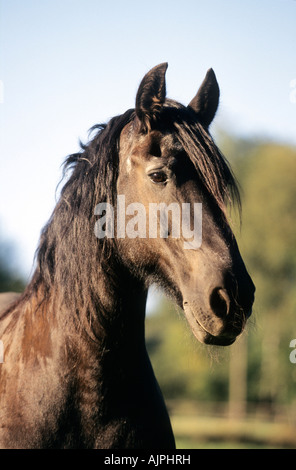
(266, 172)
(10, 277)
(183, 367)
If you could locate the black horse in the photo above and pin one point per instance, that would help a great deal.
(76, 373)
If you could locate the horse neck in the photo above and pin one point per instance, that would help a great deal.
(121, 315)
(118, 348)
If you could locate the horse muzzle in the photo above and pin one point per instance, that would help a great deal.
(219, 323)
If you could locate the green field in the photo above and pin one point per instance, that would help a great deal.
(211, 432)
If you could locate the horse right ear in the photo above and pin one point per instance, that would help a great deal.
(151, 94)
(205, 102)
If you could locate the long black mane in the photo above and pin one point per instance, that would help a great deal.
(70, 259)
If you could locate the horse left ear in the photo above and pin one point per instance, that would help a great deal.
(151, 93)
(205, 102)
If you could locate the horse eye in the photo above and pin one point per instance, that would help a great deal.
(158, 177)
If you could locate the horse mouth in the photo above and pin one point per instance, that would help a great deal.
(224, 337)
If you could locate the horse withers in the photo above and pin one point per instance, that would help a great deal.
(76, 373)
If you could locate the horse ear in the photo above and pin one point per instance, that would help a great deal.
(151, 93)
(205, 102)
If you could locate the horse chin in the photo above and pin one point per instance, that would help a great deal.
(202, 335)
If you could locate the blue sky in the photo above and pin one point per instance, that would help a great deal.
(68, 64)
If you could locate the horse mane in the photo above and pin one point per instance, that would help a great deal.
(70, 260)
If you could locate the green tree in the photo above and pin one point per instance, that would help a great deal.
(268, 244)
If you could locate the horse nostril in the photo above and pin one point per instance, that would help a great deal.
(220, 302)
